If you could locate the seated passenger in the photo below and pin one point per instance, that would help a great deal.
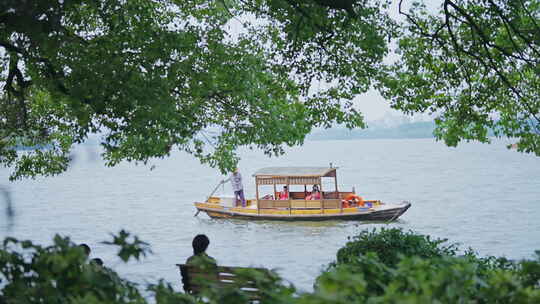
(268, 197)
(97, 262)
(284, 195)
(199, 257)
(315, 194)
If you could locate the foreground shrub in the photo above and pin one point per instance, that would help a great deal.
(393, 244)
(367, 270)
(61, 273)
(390, 265)
(445, 279)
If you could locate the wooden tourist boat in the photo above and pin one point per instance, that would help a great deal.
(330, 206)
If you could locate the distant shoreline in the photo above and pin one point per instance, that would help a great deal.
(422, 129)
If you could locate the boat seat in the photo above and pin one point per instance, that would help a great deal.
(297, 195)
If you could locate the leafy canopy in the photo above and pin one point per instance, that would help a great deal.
(472, 64)
(207, 77)
(200, 76)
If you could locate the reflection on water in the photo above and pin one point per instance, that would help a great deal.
(277, 224)
(399, 221)
(482, 196)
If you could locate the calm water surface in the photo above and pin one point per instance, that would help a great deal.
(482, 196)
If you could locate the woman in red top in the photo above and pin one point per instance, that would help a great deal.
(315, 194)
(284, 195)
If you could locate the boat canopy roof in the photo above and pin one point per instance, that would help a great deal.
(293, 175)
(295, 172)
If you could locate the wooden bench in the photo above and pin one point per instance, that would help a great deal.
(195, 279)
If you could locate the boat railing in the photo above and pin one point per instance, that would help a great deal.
(299, 204)
(305, 204)
(331, 203)
(265, 204)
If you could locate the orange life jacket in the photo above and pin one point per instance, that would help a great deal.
(353, 197)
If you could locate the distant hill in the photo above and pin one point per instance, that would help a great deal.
(423, 129)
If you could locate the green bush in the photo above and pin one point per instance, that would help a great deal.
(391, 245)
(60, 273)
(390, 265)
(446, 279)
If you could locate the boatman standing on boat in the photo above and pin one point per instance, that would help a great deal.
(238, 188)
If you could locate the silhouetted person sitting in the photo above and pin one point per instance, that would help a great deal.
(86, 249)
(201, 261)
(199, 257)
(97, 261)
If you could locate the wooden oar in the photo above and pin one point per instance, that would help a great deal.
(215, 189)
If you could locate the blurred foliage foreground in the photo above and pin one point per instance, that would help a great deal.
(378, 266)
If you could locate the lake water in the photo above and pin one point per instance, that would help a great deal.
(482, 196)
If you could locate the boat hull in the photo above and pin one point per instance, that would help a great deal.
(388, 213)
